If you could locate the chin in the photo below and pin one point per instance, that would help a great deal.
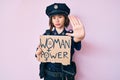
(58, 26)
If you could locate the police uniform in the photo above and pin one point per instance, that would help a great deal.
(54, 70)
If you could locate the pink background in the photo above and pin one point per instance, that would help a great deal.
(22, 21)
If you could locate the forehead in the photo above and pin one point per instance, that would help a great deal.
(57, 15)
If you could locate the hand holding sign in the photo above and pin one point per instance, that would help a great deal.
(38, 52)
(78, 29)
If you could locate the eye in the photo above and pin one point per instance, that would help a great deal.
(60, 16)
(53, 17)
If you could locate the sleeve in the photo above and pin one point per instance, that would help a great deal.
(44, 33)
(77, 45)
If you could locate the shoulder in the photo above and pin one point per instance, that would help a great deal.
(47, 32)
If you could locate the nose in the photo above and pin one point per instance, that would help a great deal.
(57, 20)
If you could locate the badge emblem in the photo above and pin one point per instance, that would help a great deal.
(55, 6)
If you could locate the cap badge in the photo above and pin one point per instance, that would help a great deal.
(55, 6)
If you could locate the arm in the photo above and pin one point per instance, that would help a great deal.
(78, 29)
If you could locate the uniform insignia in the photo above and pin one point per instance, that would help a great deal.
(63, 33)
(55, 6)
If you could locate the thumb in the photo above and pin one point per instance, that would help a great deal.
(69, 34)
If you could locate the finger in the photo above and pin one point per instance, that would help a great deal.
(38, 46)
(38, 57)
(69, 34)
(38, 52)
(74, 21)
(78, 20)
(71, 20)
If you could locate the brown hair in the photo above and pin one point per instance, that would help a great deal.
(66, 23)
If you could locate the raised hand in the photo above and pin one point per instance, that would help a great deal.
(78, 29)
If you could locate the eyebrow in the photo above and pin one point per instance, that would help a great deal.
(57, 15)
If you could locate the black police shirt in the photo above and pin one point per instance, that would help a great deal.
(57, 66)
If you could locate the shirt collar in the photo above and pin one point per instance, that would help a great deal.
(62, 33)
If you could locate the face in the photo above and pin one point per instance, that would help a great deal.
(58, 21)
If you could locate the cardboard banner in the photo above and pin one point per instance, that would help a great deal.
(55, 49)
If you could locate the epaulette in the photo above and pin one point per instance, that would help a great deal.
(48, 32)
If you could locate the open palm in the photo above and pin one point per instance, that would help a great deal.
(78, 29)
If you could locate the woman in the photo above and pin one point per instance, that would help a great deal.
(59, 21)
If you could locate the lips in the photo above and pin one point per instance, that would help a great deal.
(57, 24)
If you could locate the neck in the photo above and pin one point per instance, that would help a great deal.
(59, 30)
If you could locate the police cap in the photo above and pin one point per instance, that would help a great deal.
(57, 8)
